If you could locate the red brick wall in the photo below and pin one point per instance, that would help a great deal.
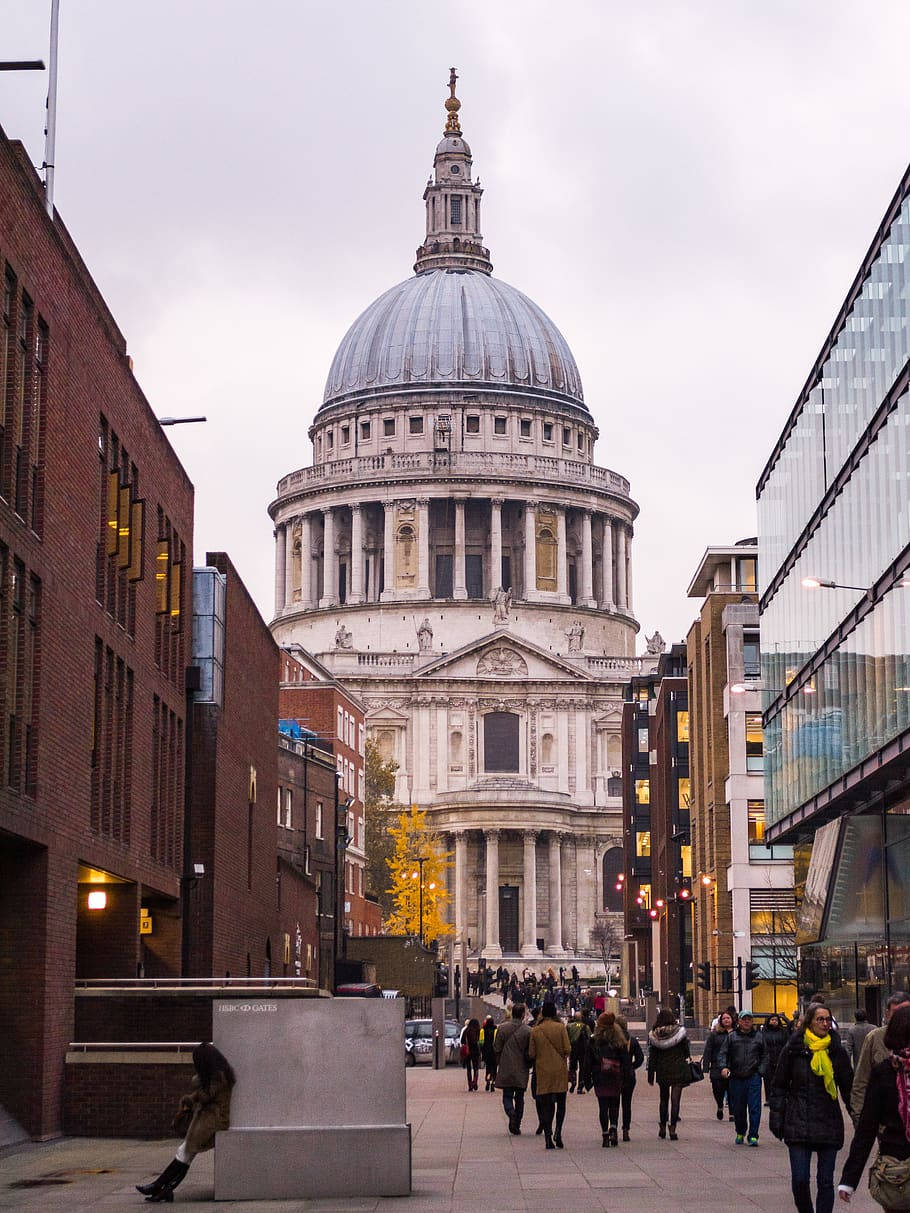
(131, 1017)
(87, 374)
(125, 1099)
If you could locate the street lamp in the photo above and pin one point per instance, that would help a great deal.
(431, 886)
(740, 688)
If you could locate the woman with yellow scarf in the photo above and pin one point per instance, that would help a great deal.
(805, 1112)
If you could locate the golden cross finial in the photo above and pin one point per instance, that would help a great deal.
(453, 105)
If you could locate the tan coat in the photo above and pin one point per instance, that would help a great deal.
(211, 1113)
(549, 1049)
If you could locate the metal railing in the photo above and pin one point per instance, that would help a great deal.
(192, 984)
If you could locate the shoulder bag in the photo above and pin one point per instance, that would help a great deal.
(889, 1182)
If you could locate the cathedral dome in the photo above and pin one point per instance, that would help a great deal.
(453, 327)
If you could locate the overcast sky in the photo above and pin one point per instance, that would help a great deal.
(686, 189)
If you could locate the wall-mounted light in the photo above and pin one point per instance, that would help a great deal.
(706, 880)
(97, 899)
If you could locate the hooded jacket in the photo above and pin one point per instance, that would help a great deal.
(802, 1111)
(668, 1056)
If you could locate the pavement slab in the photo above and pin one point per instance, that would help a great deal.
(464, 1159)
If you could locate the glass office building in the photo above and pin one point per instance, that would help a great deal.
(834, 534)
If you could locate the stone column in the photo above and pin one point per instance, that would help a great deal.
(492, 949)
(280, 567)
(554, 941)
(529, 933)
(306, 562)
(606, 601)
(495, 544)
(329, 561)
(289, 563)
(388, 593)
(621, 567)
(530, 550)
(461, 885)
(423, 547)
(629, 570)
(587, 900)
(586, 597)
(355, 589)
(459, 587)
(562, 556)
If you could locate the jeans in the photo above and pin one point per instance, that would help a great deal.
(669, 1097)
(547, 1105)
(513, 1102)
(745, 1096)
(800, 1159)
(608, 1108)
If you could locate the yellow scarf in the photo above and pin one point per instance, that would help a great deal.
(821, 1062)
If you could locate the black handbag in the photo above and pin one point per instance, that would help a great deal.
(696, 1073)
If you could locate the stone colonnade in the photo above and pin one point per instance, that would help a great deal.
(385, 550)
(492, 939)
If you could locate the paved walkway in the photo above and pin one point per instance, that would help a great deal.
(464, 1159)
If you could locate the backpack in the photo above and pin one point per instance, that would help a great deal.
(609, 1080)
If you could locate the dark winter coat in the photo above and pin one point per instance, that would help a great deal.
(880, 1117)
(668, 1056)
(511, 1044)
(471, 1037)
(487, 1049)
(211, 1112)
(714, 1055)
(636, 1057)
(745, 1053)
(775, 1039)
(609, 1046)
(802, 1111)
(853, 1038)
(549, 1051)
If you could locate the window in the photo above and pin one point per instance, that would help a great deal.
(360, 741)
(548, 431)
(330, 439)
(566, 436)
(388, 427)
(365, 431)
(415, 425)
(581, 441)
(345, 435)
(500, 741)
(524, 427)
(642, 791)
(643, 844)
(684, 793)
(644, 892)
(755, 748)
(614, 786)
(642, 741)
(318, 818)
(472, 424)
(751, 655)
(746, 573)
(455, 210)
(340, 729)
(682, 726)
(499, 425)
(685, 859)
(756, 812)
(612, 885)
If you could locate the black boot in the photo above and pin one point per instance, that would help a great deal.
(613, 1140)
(162, 1190)
(606, 1140)
(662, 1130)
(549, 1140)
(625, 1135)
(557, 1139)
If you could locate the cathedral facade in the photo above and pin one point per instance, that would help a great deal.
(455, 555)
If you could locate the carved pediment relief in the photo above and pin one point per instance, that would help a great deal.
(504, 661)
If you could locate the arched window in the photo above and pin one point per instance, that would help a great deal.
(500, 741)
(546, 559)
(546, 749)
(406, 555)
(612, 868)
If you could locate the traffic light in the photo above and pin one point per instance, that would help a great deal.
(726, 980)
(704, 975)
(752, 977)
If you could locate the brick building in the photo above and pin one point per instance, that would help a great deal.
(96, 521)
(657, 889)
(317, 702)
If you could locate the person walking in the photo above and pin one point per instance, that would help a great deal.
(513, 1066)
(886, 1115)
(579, 1035)
(714, 1059)
(775, 1034)
(549, 1050)
(805, 1112)
(872, 1052)
(852, 1038)
(636, 1059)
(668, 1062)
(487, 1038)
(208, 1107)
(744, 1070)
(470, 1052)
(608, 1068)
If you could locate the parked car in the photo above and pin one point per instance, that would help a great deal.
(418, 1040)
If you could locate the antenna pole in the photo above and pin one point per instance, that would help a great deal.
(51, 129)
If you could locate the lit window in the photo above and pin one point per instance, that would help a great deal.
(685, 859)
(415, 425)
(525, 427)
(472, 424)
(682, 726)
(685, 793)
(643, 844)
(756, 810)
(388, 427)
(755, 748)
(642, 791)
(499, 425)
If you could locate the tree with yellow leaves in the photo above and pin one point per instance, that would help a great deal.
(418, 869)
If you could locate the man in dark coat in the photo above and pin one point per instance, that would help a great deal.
(513, 1068)
(745, 1067)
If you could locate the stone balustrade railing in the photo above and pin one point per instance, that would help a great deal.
(624, 667)
(470, 464)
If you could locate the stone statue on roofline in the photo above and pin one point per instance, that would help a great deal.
(502, 603)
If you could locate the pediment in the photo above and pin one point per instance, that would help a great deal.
(611, 719)
(381, 713)
(500, 656)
